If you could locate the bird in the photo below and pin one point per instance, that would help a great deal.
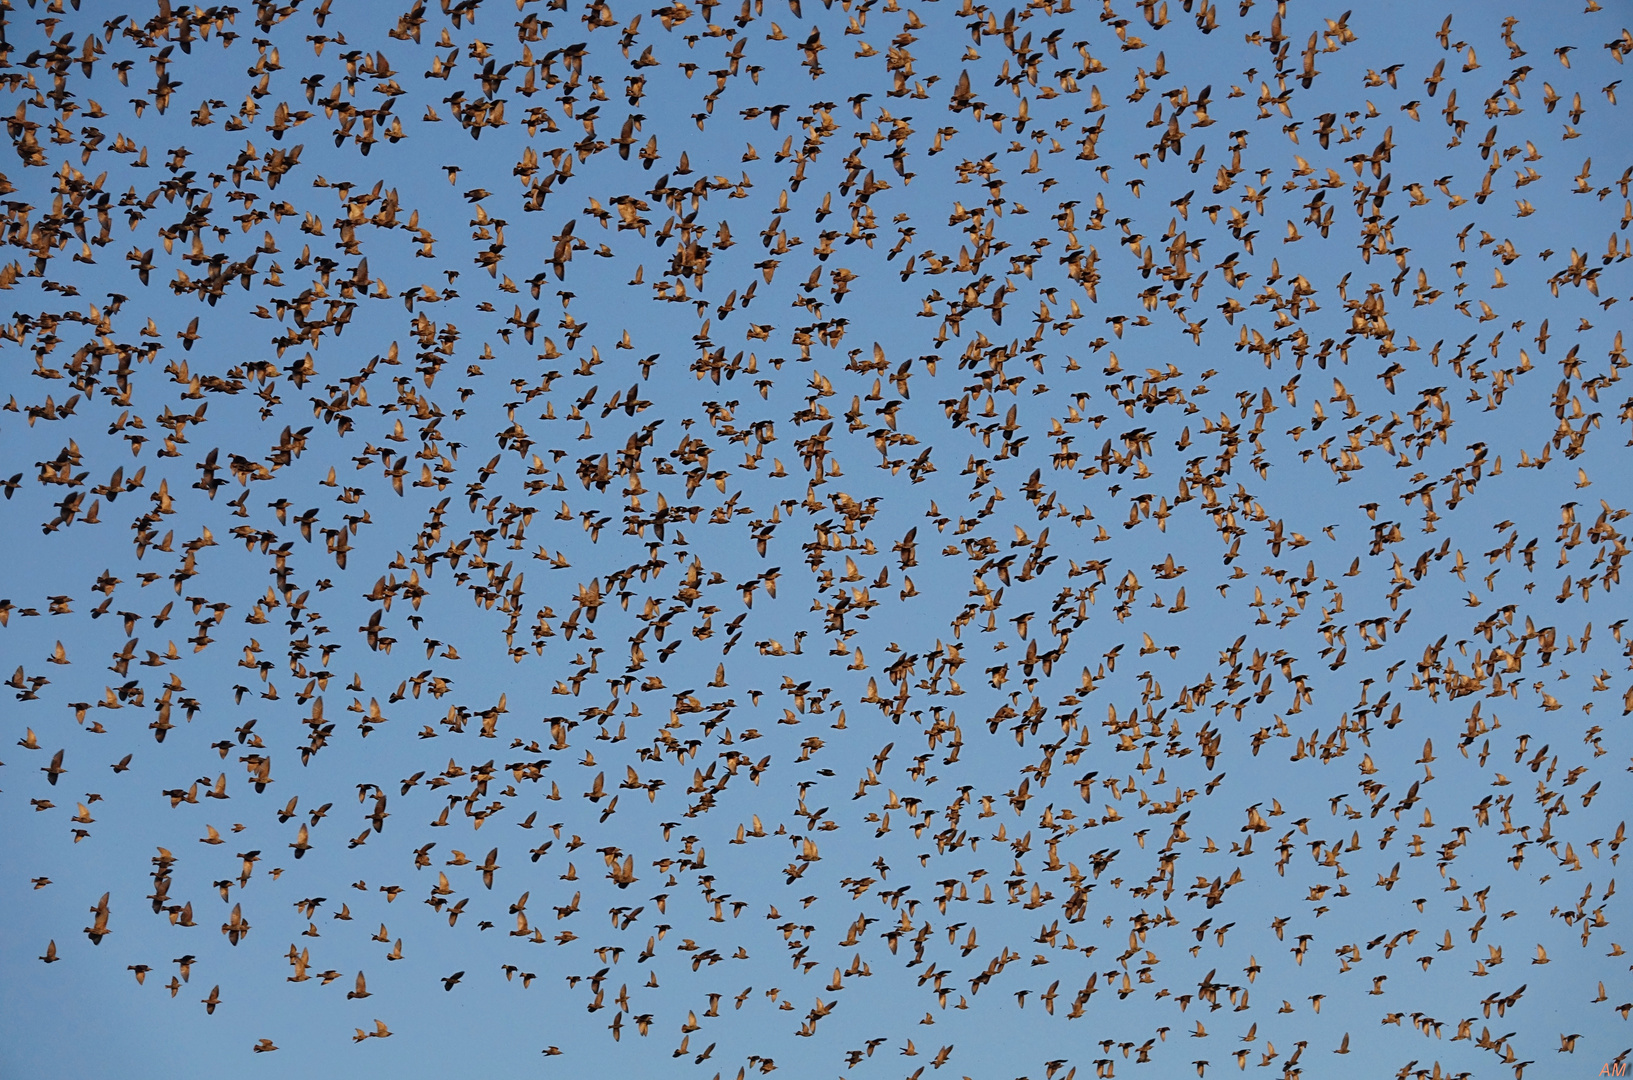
(99, 927)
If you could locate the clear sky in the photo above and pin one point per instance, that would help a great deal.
(842, 540)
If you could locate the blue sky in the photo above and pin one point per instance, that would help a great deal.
(1066, 476)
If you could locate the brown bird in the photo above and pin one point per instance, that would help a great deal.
(99, 927)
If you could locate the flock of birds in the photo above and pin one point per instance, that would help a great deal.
(607, 266)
